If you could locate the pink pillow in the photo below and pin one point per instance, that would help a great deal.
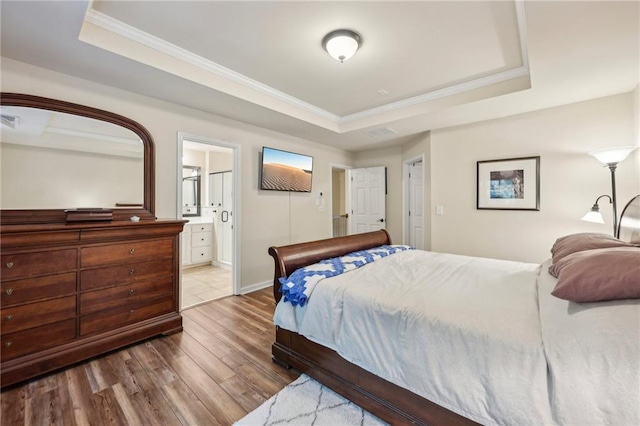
(573, 243)
(598, 275)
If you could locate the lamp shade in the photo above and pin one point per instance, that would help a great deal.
(593, 216)
(612, 155)
(341, 44)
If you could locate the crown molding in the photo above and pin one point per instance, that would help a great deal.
(458, 88)
(127, 31)
(118, 27)
(438, 94)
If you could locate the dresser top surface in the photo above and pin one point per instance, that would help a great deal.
(75, 226)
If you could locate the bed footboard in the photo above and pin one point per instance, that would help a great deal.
(389, 402)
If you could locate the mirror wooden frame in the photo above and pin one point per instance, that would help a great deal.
(144, 212)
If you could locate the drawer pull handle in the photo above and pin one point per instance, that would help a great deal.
(131, 271)
(9, 317)
(201, 239)
(131, 251)
(131, 312)
(8, 344)
(131, 291)
(9, 291)
(9, 265)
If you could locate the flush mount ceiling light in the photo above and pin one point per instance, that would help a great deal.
(341, 44)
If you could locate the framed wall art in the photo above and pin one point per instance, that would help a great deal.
(509, 184)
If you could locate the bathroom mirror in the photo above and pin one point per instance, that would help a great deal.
(190, 191)
(57, 155)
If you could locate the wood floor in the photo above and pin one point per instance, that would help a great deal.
(213, 373)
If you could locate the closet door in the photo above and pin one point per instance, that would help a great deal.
(368, 199)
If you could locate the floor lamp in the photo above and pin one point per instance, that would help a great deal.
(610, 157)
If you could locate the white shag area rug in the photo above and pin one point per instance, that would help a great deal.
(307, 402)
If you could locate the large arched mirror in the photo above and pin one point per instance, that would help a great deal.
(57, 155)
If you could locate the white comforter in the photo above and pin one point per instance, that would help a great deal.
(465, 333)
(593, 354)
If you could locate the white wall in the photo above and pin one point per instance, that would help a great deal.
(570, 179)
(267, 217)
(33, 177)
(338, 201)
(220, 161)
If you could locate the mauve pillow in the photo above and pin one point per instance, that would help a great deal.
(573, 243)
(598, 275)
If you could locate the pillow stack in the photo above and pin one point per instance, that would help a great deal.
(593, 267)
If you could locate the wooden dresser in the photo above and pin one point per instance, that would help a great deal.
(73, 291)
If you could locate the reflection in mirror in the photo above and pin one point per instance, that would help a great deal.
(57, 155)
(190, 191)
(54, 160)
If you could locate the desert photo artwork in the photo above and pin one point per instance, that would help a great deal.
(286, 171)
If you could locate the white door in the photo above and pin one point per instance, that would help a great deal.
(416, 209)
(226, 218)
(221, 198)
(368, 189)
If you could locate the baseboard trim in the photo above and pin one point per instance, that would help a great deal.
(255, 287)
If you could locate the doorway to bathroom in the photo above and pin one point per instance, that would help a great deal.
(208, 181)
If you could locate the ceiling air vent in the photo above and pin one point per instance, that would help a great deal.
(9, 120)
(384, 131)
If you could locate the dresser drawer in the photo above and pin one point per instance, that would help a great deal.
(119, 317)
(92, 279)
(39, 263)
(201, 227)
(37, 339)
(125, 252)
(201, 254)
(36, 314)
(30, 289)
(201, 239)
(114, 297)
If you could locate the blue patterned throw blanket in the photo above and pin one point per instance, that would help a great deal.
(297, 287)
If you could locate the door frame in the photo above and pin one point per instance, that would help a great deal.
(406, 198)
(235, 249)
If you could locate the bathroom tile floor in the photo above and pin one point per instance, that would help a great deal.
(202, 284)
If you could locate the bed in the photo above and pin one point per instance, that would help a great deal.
(430, 338)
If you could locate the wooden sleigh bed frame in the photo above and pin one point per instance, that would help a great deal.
(380, 397)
